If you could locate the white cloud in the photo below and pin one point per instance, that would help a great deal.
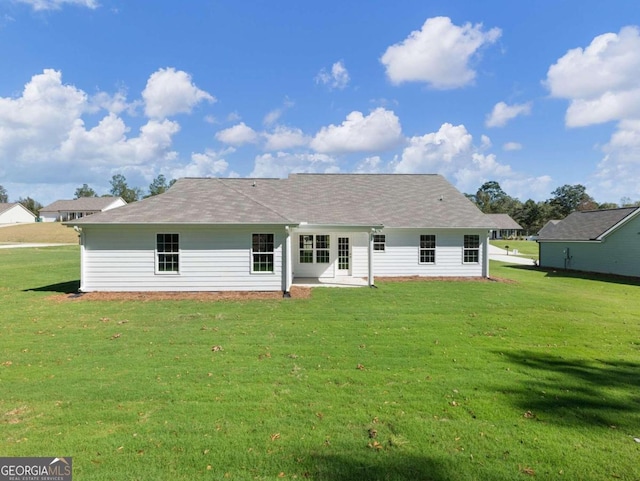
(600, 81)
(338, 78)
(511, 146)
(451, 152)
(435, 151)
(503, 113)
(282, 164)
(273, 116)
(283, 138)
(601, 84)
(378, 131)
(439, 54)
(57, 4)
(170, 92)
(370, 165)
(44, 138)
(618, 173)
(207, 164)
(238, 135)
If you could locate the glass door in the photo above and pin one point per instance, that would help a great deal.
(344, 256)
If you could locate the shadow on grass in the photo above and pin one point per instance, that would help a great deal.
(577, 391)
(590, 276)
(69, 287)
(401, 468)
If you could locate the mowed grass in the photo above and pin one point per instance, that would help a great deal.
(38, 232)
(534, 378)
(525, 248)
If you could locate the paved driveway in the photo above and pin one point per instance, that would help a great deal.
(497, 254)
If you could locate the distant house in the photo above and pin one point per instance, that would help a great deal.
(505, 226)
(211, 234)
(603, 241)
(15, 214)
(66, 210)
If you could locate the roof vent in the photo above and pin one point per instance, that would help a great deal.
(253, 184)
(441, 198)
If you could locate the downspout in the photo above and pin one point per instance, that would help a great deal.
(288, 264)
(370, 277)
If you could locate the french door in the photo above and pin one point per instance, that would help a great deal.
(344, 256)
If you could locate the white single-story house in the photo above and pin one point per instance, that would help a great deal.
(15, 214)
(66, 210)
(234, 234)
(603, 241)
(505, 226)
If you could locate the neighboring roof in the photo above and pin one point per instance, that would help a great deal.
(548, 227)
(6, 207)
(504, 222)
(392, 200)
(82, 204)
(587, 225)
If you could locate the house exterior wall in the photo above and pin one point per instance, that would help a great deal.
(618, 254)
(17, 215)
(401, 256)
(49, 216)
(123, 258)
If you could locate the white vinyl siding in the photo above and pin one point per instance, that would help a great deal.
(123, 258)
(17, 215)
(402, 255)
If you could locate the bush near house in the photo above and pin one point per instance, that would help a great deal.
(534, 375)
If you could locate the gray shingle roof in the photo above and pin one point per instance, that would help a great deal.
(504, 222)
(82, 204)
(392, 200)
(585, 225)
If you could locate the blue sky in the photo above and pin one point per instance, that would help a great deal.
(533, 95)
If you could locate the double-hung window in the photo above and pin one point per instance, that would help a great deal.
(427, 249)
(262, 253)
(471, 250)
(167, 253)
(315, 249)
(379, 242)
(322, 249)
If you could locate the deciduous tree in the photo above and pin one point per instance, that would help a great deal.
(85, 191)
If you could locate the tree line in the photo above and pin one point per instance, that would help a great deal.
(119, 188)
(532, 215)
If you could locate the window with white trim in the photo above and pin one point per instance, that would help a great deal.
(379, 242)
(262, 253)
(315, 249)
(168, 253)
(427, 249)
(471, 250)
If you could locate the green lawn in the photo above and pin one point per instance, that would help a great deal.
(525, 248)
(537, 377)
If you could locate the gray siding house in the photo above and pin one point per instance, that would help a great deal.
(211, 234)
(602, 241)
